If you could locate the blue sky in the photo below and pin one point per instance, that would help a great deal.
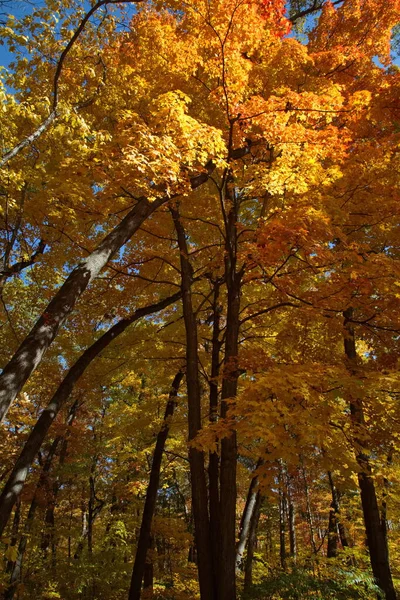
(19, 9)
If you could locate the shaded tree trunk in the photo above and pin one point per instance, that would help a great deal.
(335, 506)
(384, 524)
(196, 457)
(213, 464)
(140, 566)
(310, 519)
(291, 521)
(282, 529)
(332, 534)
(227, 582)
(376, 534)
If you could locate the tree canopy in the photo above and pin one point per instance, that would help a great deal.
(199, 231)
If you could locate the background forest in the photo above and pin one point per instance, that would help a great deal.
(199, 287)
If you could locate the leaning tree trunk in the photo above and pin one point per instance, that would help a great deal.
(139, 566)
(16, 480)
(376, 534)
(32, 349)
(196, 457)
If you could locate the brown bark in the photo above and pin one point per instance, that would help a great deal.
(335, 506)
(139, 567)
(213, 464)
(310, 519)
(376, 535)
(291, 520)
(227, 582)
(196, 457)
(385, 494)
(332, 534)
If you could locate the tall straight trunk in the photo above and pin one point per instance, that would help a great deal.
(310, 519)
(196, 457)
(16, 479)
(282, 529)
(31, 351)
(332, 534)
(227, 582)
(376, 534)
(213, 461)
(255, 517)
(335, 505)
(246, 519)
(291, 520)
(384, 524)
(91, 514)
(139, 567)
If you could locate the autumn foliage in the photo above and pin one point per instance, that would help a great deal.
(200, 280)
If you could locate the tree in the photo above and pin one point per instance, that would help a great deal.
(205, 163)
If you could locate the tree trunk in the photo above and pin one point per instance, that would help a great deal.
(291, 521)
(310, 519)
(282, 529)
(213, 464)
(32, 349)
(246, 520)
(336, 508)
(376, 535)
(227, 583)
(384, 524)
(248, 570)
(16, 480)
(14, 534)
(196, 457)
(139, 567)
(332, 533)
